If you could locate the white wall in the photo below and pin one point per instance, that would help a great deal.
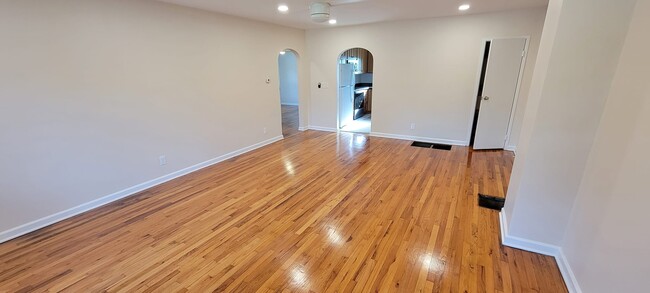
(94, 91)
(607, 240)
(288, 65)
(534, 98)
(578, 188)
(549, 166)
(425, 71)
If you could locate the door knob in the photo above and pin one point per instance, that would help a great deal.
(486, 98)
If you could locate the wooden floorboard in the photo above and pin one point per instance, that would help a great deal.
(318, 212)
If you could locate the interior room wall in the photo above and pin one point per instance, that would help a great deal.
(93, 92)
(606, 241)
(288, 65)
(549, 166)
(425, 71)
(534, 98)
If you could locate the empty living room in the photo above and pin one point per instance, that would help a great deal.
(324, 146)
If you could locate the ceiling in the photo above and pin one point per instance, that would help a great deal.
(352, 12)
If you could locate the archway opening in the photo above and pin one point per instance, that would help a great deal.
(289, 93)
(355, 83)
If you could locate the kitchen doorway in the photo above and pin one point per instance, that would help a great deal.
(289, 97)
(355, 83)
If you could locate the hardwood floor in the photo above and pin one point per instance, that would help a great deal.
(315, 212)
(290, 121)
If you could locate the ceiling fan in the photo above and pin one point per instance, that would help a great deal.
(319, 11)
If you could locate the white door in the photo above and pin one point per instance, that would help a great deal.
(501, 79)
(346, 94)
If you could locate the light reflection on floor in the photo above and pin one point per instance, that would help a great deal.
(432, 263)
(334, 236)
(361, 125)
(299, 277)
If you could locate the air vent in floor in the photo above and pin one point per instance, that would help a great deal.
(422, 144)
(429, 145)
(491, 202)
(438, 146)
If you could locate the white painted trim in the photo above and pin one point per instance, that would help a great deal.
(289, 104)
(541, 248)
(60, 216)
(420, 138)
(320, 128)
(567, 273)
(520, 80)
(511, 148)
(525, 244)
(301, 128)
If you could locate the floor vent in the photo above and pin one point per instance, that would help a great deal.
(438, 146)
(491, 202)
(422, 144)
(428, 145)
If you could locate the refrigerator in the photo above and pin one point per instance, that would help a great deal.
(346, 94)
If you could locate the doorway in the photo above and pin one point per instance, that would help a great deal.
(501, 70)
(355, 83)
(289, 98)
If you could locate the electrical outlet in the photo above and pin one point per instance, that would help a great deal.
(264, 129)
(412, 126)
(162, 160)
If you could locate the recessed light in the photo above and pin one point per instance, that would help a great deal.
(332, 21)
(463, 7)
(283, 8)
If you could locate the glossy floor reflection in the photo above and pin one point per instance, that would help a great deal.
(361, 125)
(318, 212)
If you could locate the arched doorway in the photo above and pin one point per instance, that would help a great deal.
(355, 83)
(289, 94)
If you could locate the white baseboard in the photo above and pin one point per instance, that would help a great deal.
(511, 148)
(301, 128)
(320, 128)
(541, 248)
(60, 216)
(419, 138)
(567, 273)
(289, 104)
(399, 136)
(525, 244)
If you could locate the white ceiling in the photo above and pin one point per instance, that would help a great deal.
(357, 12)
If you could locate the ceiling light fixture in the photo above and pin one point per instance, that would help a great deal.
(463, 7)
(320, 11)
(283, 8)
(332, 21)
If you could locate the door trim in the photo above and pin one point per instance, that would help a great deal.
(506, 144)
